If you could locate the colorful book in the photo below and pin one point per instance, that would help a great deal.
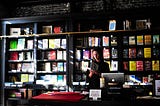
(147, 52)
(86, 54)
(125, 53)
(54, 67)
(139, 39)
(114, 66)
(155, 39)
(60, 66)
(21, 43)
(47, 29)
(132, 40)
(105, 41)
(114, 53)
(139, 65)
(13, 55)
(106, 53)
(112, 25)
(125, 65)
(113, 40)
(132, 52)
(24, 77)
(51, 43)
(155, 65)
(132, 65)
(147, 39)
(147, 65)
(13, 44)
(140, 53)
(52, 55)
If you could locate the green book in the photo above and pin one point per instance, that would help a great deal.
(13, 44)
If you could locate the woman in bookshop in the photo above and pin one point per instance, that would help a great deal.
(97, 67)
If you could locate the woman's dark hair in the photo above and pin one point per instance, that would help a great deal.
(99, 51)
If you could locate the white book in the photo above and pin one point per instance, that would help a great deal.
(15, 31)
(21, 44)
(59, 55)
(45, 43)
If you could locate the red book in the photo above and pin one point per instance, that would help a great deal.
(52, 55)
(14, 56)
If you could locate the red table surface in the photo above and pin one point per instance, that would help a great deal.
(60, 96)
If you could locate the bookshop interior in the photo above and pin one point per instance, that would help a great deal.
(52, 51)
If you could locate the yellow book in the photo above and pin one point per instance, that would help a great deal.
(139, 39)
(132, 65)
(147, 52)
(24, 77)
(155, 65)
(52, 43)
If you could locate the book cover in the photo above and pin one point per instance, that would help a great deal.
(44, 43)
(132, 65)
(64, 66)
(64, 55)
(40, 44)
(47, 67)
(14, 56)
(47, 29)
(29, 44)
(78, 54)
(147, 52)
(24, 77)
(27, 67)
(86, 54)
(59, 54)
(125, 65)
(113, 40)
(155, 39)
(140, 53)
(112, 25)
(63, 43)
(114, 53)
(60, 66)
(155, 65)
(141, 24)
(106, 53)
(15, 31)
(132, 40)
(28, 55)
(147, 65)
(105, 41)
(139, 65)
(132, 52)
(54, 67)
(147, 39)
(57, 29)
(84, 66)
(21, 43)
(60, 78)
(51, 43)
(139, 39)
(114, 66)
(57, 43)
(52, 55)
(125, 40)
(13, 44)
(155, 52)
(125, 53)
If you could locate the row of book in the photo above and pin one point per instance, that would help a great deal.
(52, 55)
(21, 44)
(140, 65)
(28, 55)
(86, 54)
(52, 43)
(51, 67)
(21, 67)
(93, 41)
(145, 52)
(141, 39)
(85, 65)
